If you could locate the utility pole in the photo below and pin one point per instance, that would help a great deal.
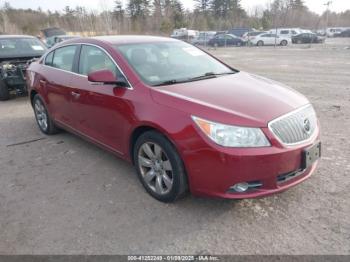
(327, 14)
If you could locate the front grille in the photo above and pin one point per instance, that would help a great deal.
(295, 127)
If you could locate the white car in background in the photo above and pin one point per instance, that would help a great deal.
(270, 39)
(286, 32)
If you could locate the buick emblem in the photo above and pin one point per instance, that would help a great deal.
(307, 125)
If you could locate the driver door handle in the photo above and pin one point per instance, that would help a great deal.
(75, 94)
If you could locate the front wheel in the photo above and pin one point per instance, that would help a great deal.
(159, 167)
(43, 119)
(284, 43)
(4, 91)
(260, 43)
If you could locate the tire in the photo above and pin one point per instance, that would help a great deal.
(43, 119)
(159, 167)
(4, 91)
(239, 44)
(260, 43)
(284, 43)
(299, 42)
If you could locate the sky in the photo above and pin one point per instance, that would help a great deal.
(314, 5)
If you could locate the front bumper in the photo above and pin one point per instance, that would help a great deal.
(213, 170)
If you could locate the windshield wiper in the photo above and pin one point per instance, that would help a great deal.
(169, 82)
(208, 75)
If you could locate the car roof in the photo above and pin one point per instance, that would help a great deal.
(133, 39)
(16, 36)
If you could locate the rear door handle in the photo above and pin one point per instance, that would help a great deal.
(75, 94)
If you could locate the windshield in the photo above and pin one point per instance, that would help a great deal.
(171, 62)
(21, 47)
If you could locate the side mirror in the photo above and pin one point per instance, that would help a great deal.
(102, 76)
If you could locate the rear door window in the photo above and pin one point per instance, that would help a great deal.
(64, 58)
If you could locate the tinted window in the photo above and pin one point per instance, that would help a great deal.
(64, 58)
(48, 59)
(94, 59)
(284, 32)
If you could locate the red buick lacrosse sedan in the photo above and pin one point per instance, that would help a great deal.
(185, 119)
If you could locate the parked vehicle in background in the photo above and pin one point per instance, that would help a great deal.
(184, 119)
(239, 32)
(184, 34)
(286, 32)
(221, 33)
(226, 40)
(334, 31)
(203, 38)
(270, 39)
(47, 35)
(307, 38)
(60, 38)
(16, 53)
(345, 33)
(251, 35)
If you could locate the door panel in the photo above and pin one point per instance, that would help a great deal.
(58, 71)
(58, 93)
(100, 111)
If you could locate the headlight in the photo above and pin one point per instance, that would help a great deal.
(232, 136)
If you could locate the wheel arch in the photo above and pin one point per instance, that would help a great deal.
(32, 94)
(141, 129)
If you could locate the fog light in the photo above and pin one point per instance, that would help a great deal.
(240, 187)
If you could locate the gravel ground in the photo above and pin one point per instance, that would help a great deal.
(62, 195)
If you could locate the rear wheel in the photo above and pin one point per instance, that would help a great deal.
(159, 167)
(260, 43)
(43, 119)
(4, 91)
(284, 43)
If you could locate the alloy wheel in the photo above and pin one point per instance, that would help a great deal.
(155, 168)
(41, 115)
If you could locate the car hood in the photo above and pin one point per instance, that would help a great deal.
(238, 99)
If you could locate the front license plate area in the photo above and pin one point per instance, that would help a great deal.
(311, 155)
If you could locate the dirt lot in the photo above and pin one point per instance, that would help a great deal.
(62, 195)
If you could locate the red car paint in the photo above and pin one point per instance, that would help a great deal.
(110, 116)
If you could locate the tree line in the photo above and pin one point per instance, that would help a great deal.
(162, 16)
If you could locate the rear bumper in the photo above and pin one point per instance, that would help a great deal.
(213, 170)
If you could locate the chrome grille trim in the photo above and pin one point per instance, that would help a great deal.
(290, 129)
